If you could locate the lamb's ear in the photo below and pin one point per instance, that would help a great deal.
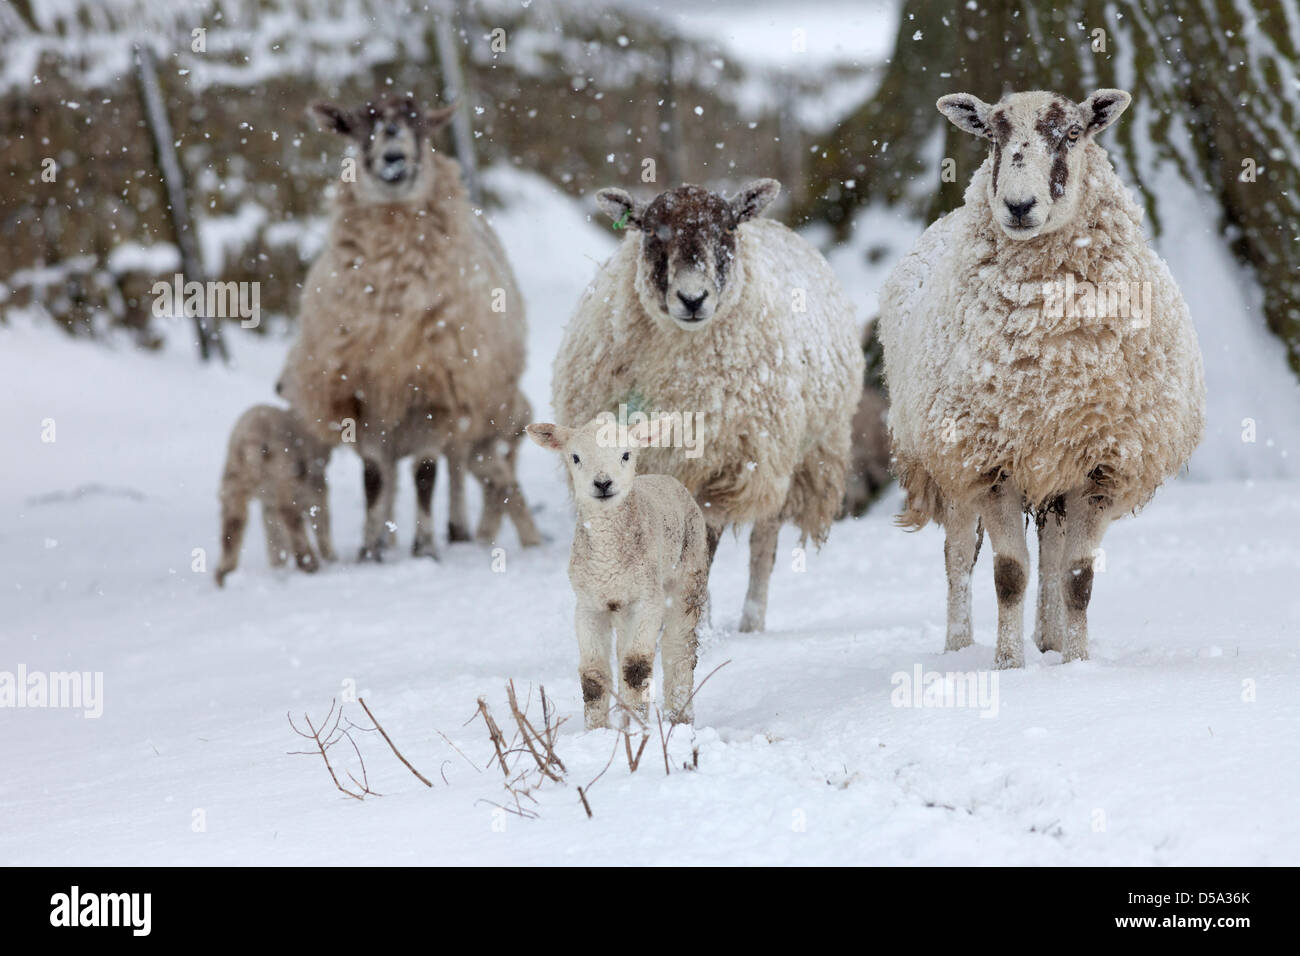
(438, 118)
(753, 199)
(967, 112)
(646, 433)
(554, 437)
(333, 119)
(1103, 108)
(620, 207)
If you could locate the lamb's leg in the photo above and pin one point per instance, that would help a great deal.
(1086, 519)
(457, 515)
(679, 649)
(961, 545)
(593, 627)
(278, 545)
(762, 557)
(1049, 619)
(304, 556)
(426, 476)
(378, 476)
(234, 519)
(638, 630)
(1004, 520)
(320, 521)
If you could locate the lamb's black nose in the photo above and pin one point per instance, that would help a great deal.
(1020, 209)
(603, 484)
(693, 304)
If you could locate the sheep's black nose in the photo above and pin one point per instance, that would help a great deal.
(1020, 209)
(394, 156)
(391, 129)
(603, 484)
(693, 304)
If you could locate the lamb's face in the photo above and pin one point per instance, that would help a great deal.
(601, 468)
(688, 246)
(1037, 141)
(391, 137)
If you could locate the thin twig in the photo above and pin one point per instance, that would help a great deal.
(384, 734)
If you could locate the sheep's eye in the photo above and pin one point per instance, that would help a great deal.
(1073, 133)
(575, 459)
(627, 455)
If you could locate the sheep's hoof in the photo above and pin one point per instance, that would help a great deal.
(458, 534)
(1046, 643)
(371, 555)
(956, 642)
(426, 549)
(1008, 661)
(307, 562)
(221, 576)
(751, 623)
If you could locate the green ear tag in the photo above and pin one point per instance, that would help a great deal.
(621, 222)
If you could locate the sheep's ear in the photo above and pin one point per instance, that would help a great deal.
(333, 119)
(1103, 108)
(753, 199)
(554, 437)
(646, 433)
(620, 207)
(438, 118)
(966, 112)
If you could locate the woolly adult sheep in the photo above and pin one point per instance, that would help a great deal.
(738, 325)
(639, 565)
(411, 326)
(1039, 358)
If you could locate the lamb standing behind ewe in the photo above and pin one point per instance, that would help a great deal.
(639, 564)
(1039, 357)
(706, 310)
(274, 459)
(411, 325)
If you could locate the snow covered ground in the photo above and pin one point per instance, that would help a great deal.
(1177, 743)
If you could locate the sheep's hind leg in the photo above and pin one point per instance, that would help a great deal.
(593, 627)
(1004, 520)
(378, 478)
(1086, 519)
(1049, 617)
(278, 545)
(426, 477)
(457, 513)
(762, 557)
(320, 522)
(961, 545)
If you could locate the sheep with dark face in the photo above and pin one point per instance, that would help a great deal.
(411, 327)
(1039, 358)
(734, 324)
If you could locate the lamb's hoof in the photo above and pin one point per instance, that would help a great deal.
(530, 541)
(458, 534)
(1008, 661)
(426, 549)
(956, 642)
(1074, 654)
(307, 563)
(221, 576)
(1045, 644)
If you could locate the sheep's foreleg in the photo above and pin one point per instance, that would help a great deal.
(638, 629)
(961, 544)
(426, 477)
(277, 536)
(762, 557)
(593, 627)
(378, 477)
(1086, 519)
(1004, 520)
(1049, 618)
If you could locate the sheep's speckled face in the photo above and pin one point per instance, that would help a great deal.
(390, 135)
(600, 468)
(688, 245)
(1038, 141)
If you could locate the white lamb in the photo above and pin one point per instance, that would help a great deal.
(1039, 358)
(739, 326)
(639, 565)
